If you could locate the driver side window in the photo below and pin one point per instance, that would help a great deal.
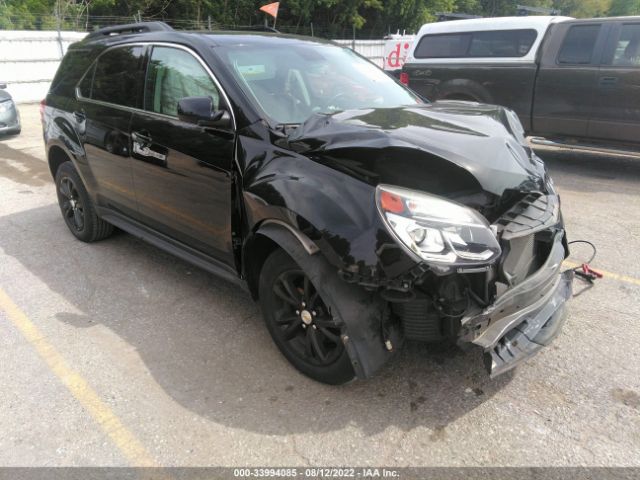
(173, 74)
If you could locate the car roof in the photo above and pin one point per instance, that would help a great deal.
(222, 38)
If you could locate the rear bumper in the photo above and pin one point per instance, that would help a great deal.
(525, 318)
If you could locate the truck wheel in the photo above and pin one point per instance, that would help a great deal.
(77, 208)
(300, 321)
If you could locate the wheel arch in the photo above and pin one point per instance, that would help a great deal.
(56, 156)
(268, 236)
(457, 88)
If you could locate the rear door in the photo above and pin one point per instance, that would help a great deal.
(182, 172)
(616, 116)
(106, 95)
(566, 84)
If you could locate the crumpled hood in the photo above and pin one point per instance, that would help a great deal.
(425, 142)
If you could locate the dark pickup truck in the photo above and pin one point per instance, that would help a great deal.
(570, 81)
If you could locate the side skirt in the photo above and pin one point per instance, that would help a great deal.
(172, 246)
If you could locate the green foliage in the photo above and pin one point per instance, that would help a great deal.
(334, 18)
(624, 7)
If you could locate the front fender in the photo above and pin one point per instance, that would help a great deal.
(334, 211)
(360, 314)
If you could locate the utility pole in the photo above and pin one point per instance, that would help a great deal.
(59, 27)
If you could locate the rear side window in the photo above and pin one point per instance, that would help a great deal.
(490, 44)
(73, 65)
(579, 44)
(173, 74)
(117, 76)
(627, 51)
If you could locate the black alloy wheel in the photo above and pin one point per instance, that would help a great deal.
(76, 207)
(300, 321)
(71, 204)
(304, 321)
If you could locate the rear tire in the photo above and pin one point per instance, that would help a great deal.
(77, 209)
(300, 321)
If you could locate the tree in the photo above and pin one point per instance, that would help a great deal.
(583, 8)
(624, 7)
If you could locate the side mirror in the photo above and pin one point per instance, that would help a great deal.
(3, 85)
(199, 111)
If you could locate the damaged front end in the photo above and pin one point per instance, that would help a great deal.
(466, 199)
(439, 214)
(530, 290)
(513, 304)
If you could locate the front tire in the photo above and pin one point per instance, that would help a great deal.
(77, 209)
(300, 321)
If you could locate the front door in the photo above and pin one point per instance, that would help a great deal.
(616, 116)
(182, 172)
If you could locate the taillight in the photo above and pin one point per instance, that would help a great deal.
(404, 78)
(43, 103)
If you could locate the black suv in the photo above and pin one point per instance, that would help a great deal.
(358, 214)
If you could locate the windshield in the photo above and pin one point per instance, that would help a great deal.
(292, 83)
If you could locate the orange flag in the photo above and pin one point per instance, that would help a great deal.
(271, 9)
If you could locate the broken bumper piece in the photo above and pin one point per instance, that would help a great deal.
(525, 318)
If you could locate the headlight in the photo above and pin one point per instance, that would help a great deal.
(5, 106)
(435, 229)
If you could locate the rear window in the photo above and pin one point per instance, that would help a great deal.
(491, 44)
(578, 45)
(116, 77)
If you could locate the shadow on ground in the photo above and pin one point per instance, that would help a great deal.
(23, 168)
(204, 342)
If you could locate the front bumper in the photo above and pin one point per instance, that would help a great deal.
(525, 318)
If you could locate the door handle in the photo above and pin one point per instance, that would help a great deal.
(79, 116)
(608, 81)
(141, 146)
(141, 138)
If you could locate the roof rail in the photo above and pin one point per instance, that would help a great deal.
(142, 27)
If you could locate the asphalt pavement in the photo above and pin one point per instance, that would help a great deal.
(117, 354)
